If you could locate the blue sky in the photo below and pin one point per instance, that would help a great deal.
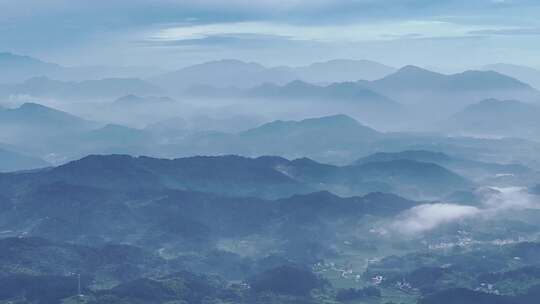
(452, 34)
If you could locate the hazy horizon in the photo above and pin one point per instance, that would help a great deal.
(269, 151)
(172, 34)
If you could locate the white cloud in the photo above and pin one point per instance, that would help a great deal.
(323, 33)
(510, 198)
(427, 217)
(495, 202)
(396, 32)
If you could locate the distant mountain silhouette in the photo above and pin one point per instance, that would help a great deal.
(38, 119)
(222, 73)
(431, 96)
(412, 78)
(178, 125)
(328, 125)
(48, 128)
(37, 114)
(88, 89)
(433, 178)
(235, 73)
(302, 137)
(348, 92)
(523, 73)
(132, 99)
(336, 92)
(492, 117)
(17, 68)
(341, 70)
(344, 97)
(474, 170)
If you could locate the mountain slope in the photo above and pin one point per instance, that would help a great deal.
(87, 89)
(116, 200)
(416, 179)
(31, 119)
(329, 125)
(474, 170)
(301, 138)
(340, 70)
(227, 174)
(494, 117)
(431, 96)
(412, 78)
(336, 92)
(39, 115)
(222, 73)
(235, 73)
(12, 161)
(267, 177)
(16, 68)
(523, 73)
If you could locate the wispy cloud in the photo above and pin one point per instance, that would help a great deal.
(357, 32)
(535, 31)
(495, 202)
(427, 217)
(222, 40)
(80, 26)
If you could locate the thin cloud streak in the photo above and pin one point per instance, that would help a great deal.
(322, 33)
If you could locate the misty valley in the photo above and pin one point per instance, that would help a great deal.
(341, 181)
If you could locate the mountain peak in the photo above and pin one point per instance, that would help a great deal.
(488, 79)
(21, 60)
(412, 71)
(415, 70)
(299, 84)
(337, 118)
(412, 76)
(33, 106)
(36, 108)
(314, 127)
(39, 116)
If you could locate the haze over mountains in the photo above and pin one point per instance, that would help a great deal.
(43, 87)
(336, 139)
(345, 181)
(494, 117)
(269, 152)
(235, 73)
(12, 161)
(410, 98)
(525, 74)
(433, 95)
(18, 68)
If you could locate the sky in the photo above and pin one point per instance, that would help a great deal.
(448, 34)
